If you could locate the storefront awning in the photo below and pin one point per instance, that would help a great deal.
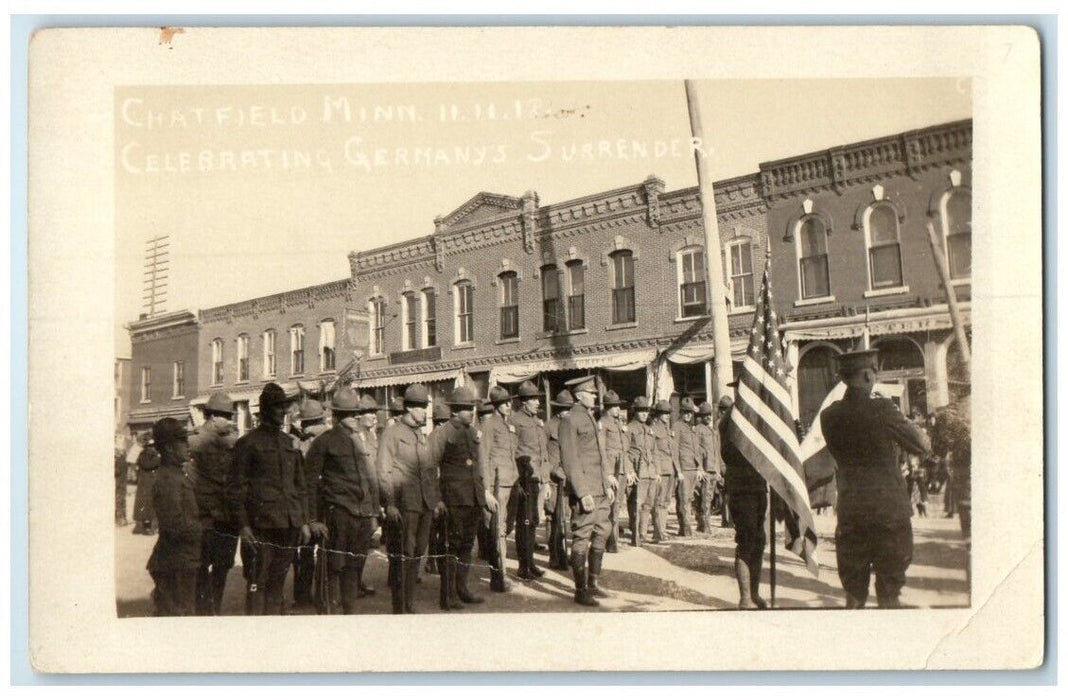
(706, 352)
(615, 362)
(877, 323)
(404, 379)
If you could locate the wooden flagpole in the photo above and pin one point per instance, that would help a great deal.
(951, 297)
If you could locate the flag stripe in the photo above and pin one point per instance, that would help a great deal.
(764, 379)
(779, 427)
(775, 468)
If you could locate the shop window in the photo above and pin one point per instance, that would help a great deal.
(815, 379)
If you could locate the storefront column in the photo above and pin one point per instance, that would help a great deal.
(934, 369)
(709, 376)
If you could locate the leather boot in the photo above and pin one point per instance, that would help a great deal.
(333, 592)
(410, 579)
(596, 557)
(462, 591)
(521, 552)
(583, 596)
(741, 574)
(529, 541)
(350, 590)
(218, 587)
(361, 587)
(756, 564)
(889, 602)
(853, 603)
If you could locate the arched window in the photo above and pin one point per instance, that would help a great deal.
(430, 318)
(552, 303)
(409, 308)
(741, 271)
(576, 297)
(327, 353)
(623, 309)
(812, 258)
(217, 361)
(957, 231)
(509, 300)
(296, 349)
(242, 358)
(884, 247)
(269, 368)
(465, 312)
(376, 309)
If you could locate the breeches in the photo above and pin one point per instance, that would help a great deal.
(884, 548)
(271, 557)
(349, 539)
(590, 530)
(175, 593)
(748, 510)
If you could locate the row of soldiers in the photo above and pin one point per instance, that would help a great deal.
(277, 492)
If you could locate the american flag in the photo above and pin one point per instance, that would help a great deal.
(762, 422)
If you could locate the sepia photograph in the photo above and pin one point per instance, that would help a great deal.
(694, 343)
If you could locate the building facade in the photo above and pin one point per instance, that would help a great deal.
(122, 402)
(507, 289)
(299, 339)
(162, 369)
(852, 261)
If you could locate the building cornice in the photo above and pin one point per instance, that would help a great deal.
(174, 319)
(307, 297)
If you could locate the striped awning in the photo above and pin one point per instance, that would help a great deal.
(405, 379)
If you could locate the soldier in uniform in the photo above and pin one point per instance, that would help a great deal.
(176, 554)
(690, 459)
(367, 435)
(496, 458)
(530, 443)
(643, 475)
(486, 537)
(408, 484)
(436, 547)
(344, 496)
(616, 450)
(592, 490)
(312, 425)
(211, 446)
(864, 435)
(556, 500)
(266, 492)
(709, 476)
(664, 454)
(454, 448)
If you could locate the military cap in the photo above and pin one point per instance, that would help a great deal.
(310, 409)
(220, 403)
(441, 413)
(416, 395)
(368, 404)
(345, 401)
(527, 390)
(611, 398)
(463, 397)
(705, 409)
(396, 405)
(850, 362)
(168, 430)
(564, 399)
(686, 405)
(725, 401)
(498, 394)
(640, 404)
(272, 395)
(587, 384)
(484, 408)
(662, 406)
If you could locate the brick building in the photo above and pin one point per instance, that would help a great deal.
(162, 368)
(122, 402)
(299, 339)
(851, 257)
(507, 289)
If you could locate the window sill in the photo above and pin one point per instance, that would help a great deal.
(564, 334)
(814, 301)
(216, 385)
(886, 291)
(741, 310)
(241, 381)
(621, 326)
(270, 378)
(175, 398)
(686, 319)
(463, 346)
(297, 376)
(143, 401)
(506, 341)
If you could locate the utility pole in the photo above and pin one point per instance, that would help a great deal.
(157, 264)
(717, 292)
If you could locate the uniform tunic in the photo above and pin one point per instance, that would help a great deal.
(176, 555)
(664, 452)
(748, 498)
(583, 461)
(690, 460)
(211, 447)
(454, 447)
(874, 532)
(531, 441)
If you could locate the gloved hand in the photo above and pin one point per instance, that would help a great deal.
(440, 509)
(491, 502)
(392, 514)
(319, 530)
(305, 534)
(587, 504)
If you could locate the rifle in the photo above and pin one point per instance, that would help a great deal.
(394, 532)
(321, 588)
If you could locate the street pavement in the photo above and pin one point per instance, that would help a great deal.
(681, 574)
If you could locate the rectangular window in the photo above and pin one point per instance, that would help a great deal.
(576, 300)
(465, 306)
(552, 305)
(692, 283)
(296, 345)
(327, 362)
(378, 326)
(178, 383)
(960, 255)
(268, 355)
(741, 274)
(146, 384)
(886, 265)
(430, 318)
(814, 276)
(408, 341)
(509, 305)
(623, 310)
(216, 362)
(242, 358)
